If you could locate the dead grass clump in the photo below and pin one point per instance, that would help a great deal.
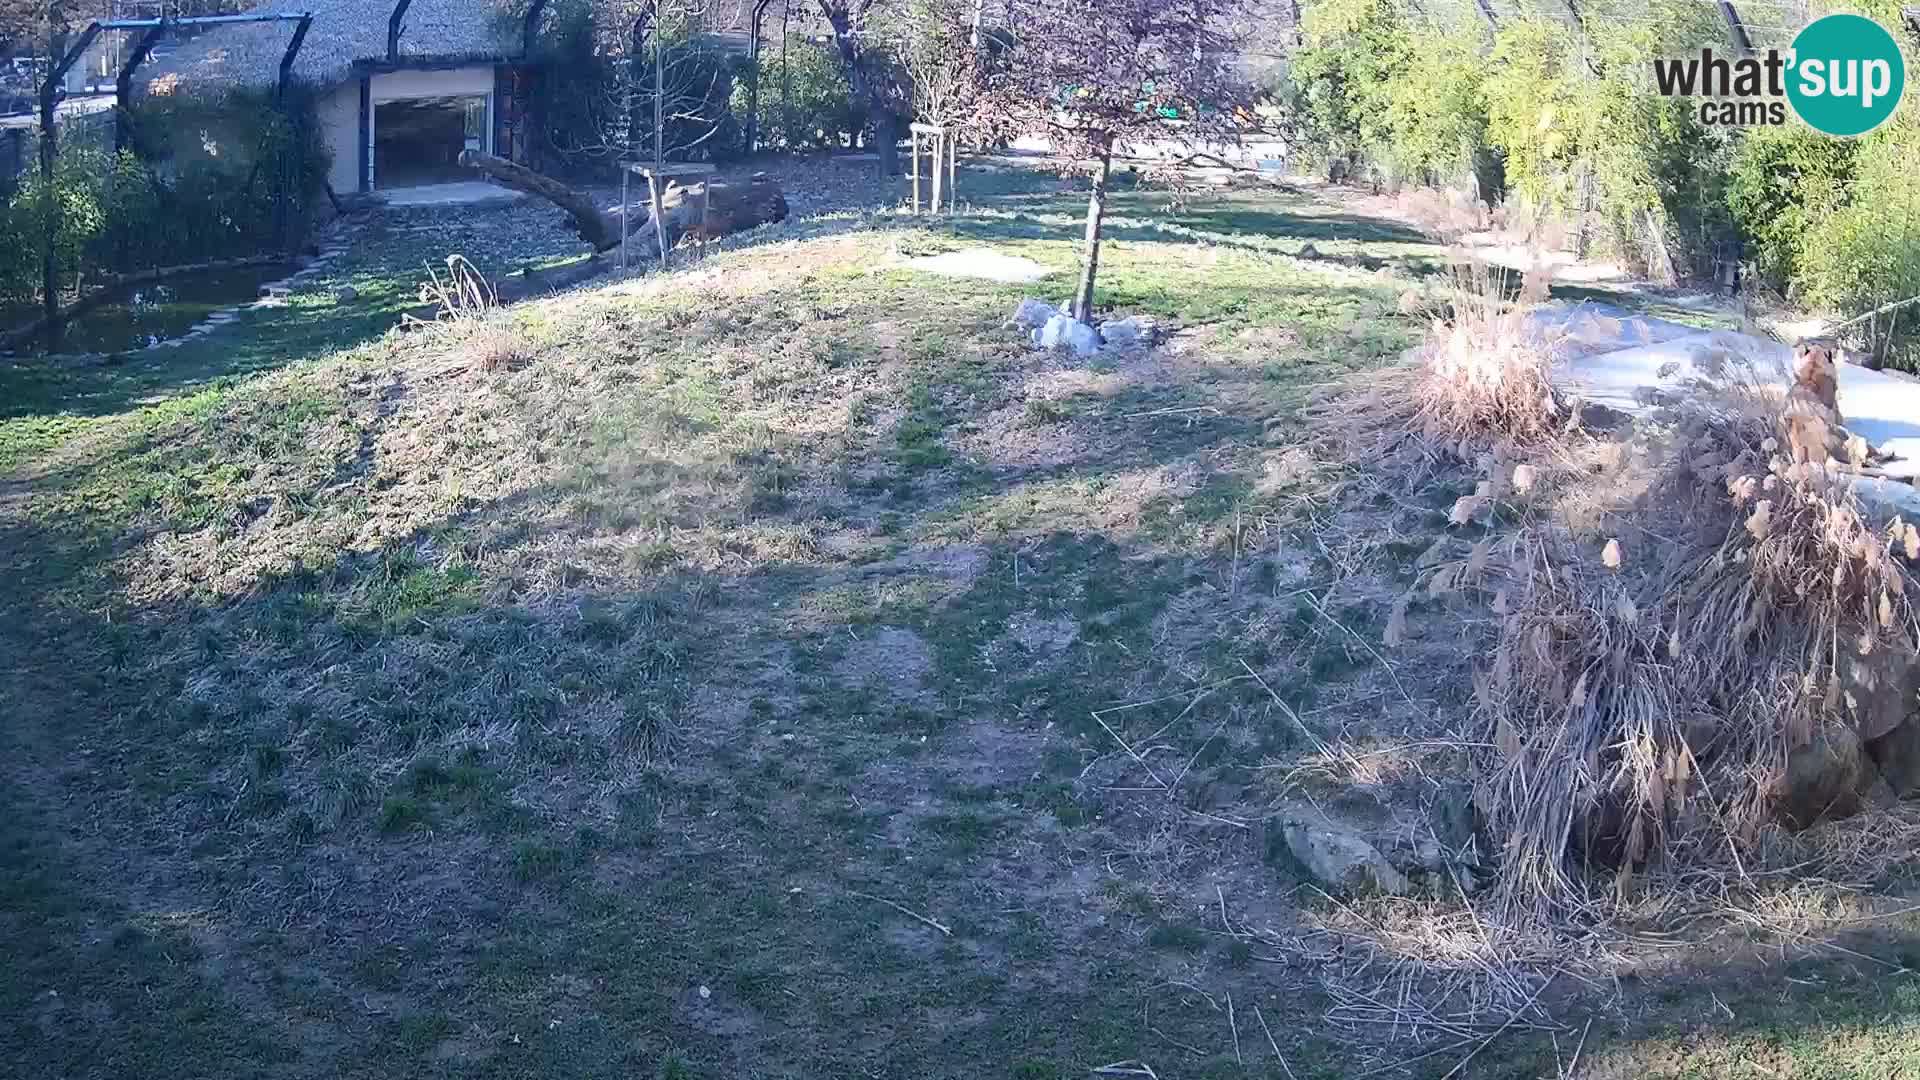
(1484, 370)
(465, 293)
(1447, 213)
(468, 325)
(491, 344)
(1481, 376)
(1707, 683)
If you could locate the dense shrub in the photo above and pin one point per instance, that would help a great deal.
(1865, 252)
(1343, 86)
(77, 200)
(596, 98)
(1563, 113)
(214, 177)
(230, 175)
(804, 99)
(1780, 183)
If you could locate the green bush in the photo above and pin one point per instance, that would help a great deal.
(1865, 252)
(230, 175)
(1438, 112)
(1780, 184)
(1343, 79)
(76, 198)
(805, 102)
(215, 178)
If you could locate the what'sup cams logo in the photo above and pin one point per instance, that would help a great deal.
(1844, 76)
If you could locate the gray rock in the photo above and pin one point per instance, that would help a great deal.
(1121, 333)
(1880, 691)
(1084, 340)
(1897, 754)
(1831, 777)
(345, 294)
(1341, 859)
(1035, 314)
(1129, 332)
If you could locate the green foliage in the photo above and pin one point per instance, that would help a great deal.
(1866, 252)
(214, 178)
(1567, 111)
(1343, 78)
(243, 177)
(1437, 111)
(75, 198)
(805, 102)
(1531, 97)
(1781, 182)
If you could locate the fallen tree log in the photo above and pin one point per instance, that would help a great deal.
(736, 207)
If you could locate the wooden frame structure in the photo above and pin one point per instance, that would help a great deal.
(653, 175)
(943, 150)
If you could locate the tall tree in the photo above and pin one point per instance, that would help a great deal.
(1101, 75)
(873, 73)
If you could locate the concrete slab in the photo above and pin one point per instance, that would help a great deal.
(467, 193)
(1612, 357)
(1651, 354)
(981, 263)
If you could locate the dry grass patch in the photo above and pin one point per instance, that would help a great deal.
(1691, 638)
(1710, 674)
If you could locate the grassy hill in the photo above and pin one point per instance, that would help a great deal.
(757, 670)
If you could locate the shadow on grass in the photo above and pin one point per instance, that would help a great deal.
(1843, 1005)
(264, 340)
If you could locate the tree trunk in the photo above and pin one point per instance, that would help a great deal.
(886, 137)
(736, 207)
(1096, 216)
(886, 125)
(50, 206)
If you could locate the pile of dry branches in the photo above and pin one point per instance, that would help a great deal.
(1695, 639)
(1712, 679)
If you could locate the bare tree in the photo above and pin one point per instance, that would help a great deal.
(1097, 75)
(943, 58)
(663, 95)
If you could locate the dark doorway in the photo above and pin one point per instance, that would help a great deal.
(418, 141)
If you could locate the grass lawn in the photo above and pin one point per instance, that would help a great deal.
(697, 676)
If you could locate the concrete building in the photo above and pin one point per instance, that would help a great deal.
(396, 110)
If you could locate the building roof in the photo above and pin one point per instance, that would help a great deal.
(345, 33)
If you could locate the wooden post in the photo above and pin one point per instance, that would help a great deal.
(659, 218)
(940, 151)
(914, 168)
(953, 171)
(626, 200)
(706, 216)
(939, 168)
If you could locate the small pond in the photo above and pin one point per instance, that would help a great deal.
(136, 316)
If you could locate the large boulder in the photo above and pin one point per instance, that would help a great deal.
(1339, 859)
(1897, 755)
(1067, 332)
(1830, 777)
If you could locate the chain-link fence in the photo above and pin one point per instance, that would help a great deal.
(147, 179)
